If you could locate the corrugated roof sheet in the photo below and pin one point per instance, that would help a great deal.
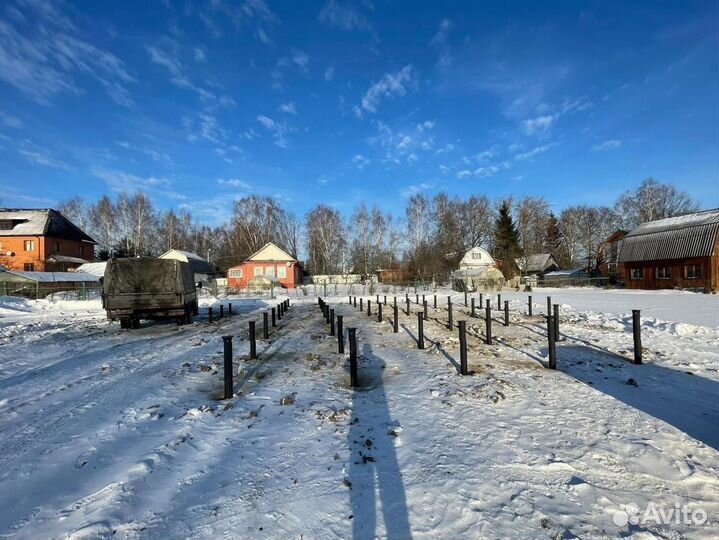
(691, 235)
(53, 277)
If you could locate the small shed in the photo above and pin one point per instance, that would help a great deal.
(204, 271)
(537, 264)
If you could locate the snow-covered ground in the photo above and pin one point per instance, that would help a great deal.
(109, 433)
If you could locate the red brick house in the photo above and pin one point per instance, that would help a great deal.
(42, 240)
(681, 252)
(270, 261)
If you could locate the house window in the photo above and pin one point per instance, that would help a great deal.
(29, 245)
(664, 272)
(270, 271)
(258, 271)
(82, 251)
(476, 255)
(236, 273)
(282, 272)
(29, 267)
(56, 247)
(637, 273)
(693, 271)
(612, 268)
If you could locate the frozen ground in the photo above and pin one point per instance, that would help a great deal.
(121, 434)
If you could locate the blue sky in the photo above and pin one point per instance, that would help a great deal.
(201, 101)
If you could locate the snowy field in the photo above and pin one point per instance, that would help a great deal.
(109, 433)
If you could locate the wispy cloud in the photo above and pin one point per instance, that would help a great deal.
(160, 157)
(329, 73)
(611, 144)
(297, 59)
(10, 121)
(360, 162)
(43, 54)
(539, 125)
(123, 181)
(343, 16)
(531, 154)
(278, 130)
(440, 41)
(235, 183)
(414, 189)
(288, 108)
(391, 85)
(40, 156)
(200, 54)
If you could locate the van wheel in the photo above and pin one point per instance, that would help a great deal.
(136, 323)
(125, 323)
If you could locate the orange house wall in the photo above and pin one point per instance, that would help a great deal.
(44, 247)
(293, 279)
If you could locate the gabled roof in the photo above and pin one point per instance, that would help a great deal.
(197, 263)
(691, 235)
(539, 262)
(41, 222)
(270, 252)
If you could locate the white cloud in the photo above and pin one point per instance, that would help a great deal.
(37, 157)
(200, 55)
(464, 173)
(360, 161)
(389, 86)
(43, 54)
(412, 158)
(278, 130)
(414, 189)
(425, 126)
(122, 181)
(329, 73)
(343, 16)
(539, 125)
(160, 157)
(441, 42)
(533, 153)
(611, 144)
(405, 143)
(165, 59)
(486, 154)
(288, 108)
(235, 183)
(484, 172)
(10, 121)
(446, 148)
(301, 59)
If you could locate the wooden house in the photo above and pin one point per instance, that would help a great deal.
(677, 252)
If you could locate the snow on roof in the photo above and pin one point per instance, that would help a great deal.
(55, 277)
(94, 268)
(65, 259)
(538, 262)
(40, 222)
(691, 235)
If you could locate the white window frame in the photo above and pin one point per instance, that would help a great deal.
(637, 273)
(257, 271)
(270, 271)
(236, 273)
(664, 272)
(612, 268)
(30, 243)
(282, 272)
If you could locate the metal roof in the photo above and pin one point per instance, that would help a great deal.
(48, 277)
(681, 237)
(41, 222)
(538, 262)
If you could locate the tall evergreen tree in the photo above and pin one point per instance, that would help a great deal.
(506, 240)
(553, 240)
